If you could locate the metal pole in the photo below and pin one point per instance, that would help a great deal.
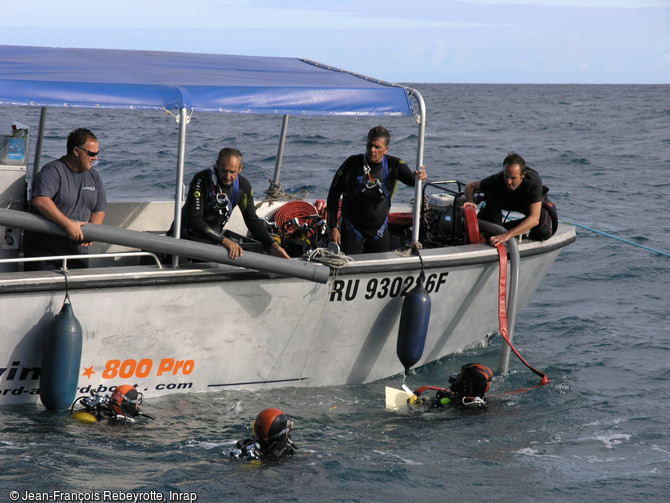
(418, 199)
(40, 141)
(280, 150)
(178, 192)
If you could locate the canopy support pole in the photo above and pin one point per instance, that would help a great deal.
(418, 199)
(178, 191)
(40, 140)
(280, 150)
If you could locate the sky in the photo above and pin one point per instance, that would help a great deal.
(422, 41)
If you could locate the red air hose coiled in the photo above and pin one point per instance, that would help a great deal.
(294, 209)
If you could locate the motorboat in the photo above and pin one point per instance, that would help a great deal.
(319, 319)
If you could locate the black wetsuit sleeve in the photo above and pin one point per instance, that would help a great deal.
(255, 225)
(196, 201)
(337, 189)
(405, 174)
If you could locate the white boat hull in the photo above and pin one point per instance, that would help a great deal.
(220, 327)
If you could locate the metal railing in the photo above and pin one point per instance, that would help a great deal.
(64, 258)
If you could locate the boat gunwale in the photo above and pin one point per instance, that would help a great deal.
(150, 276)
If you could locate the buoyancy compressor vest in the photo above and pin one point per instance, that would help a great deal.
(365, 182)
(217, 201)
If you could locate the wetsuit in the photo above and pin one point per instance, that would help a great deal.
(498, 198)
(250, 449)
(444, 398)
(366, 201)
(466, 390)
(77, 195)
(209, 207)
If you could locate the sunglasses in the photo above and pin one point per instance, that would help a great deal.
(90, 153)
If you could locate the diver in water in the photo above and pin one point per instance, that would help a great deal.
(467, 390)
(272, 438)
(122, 405)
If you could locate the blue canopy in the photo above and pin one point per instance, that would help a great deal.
(104, 78)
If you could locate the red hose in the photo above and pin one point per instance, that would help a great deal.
(502, 311)
(294, 209)
(472, 225)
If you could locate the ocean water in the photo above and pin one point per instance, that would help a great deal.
(598, 324)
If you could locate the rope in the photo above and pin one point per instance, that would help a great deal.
(295, 328)
(276, 192)
(65, 273)
(331, 259)
(627, 241)
(281, 353)
(611, 236)
(176, 117)
(409, 250)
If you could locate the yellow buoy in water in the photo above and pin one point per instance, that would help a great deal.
(84, 417)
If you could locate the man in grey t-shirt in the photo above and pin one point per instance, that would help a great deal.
(70, 193)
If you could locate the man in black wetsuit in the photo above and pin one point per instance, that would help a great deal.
(467, 390)
(212, 197)
(366, 183)
(516, 188)
(272, 438)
